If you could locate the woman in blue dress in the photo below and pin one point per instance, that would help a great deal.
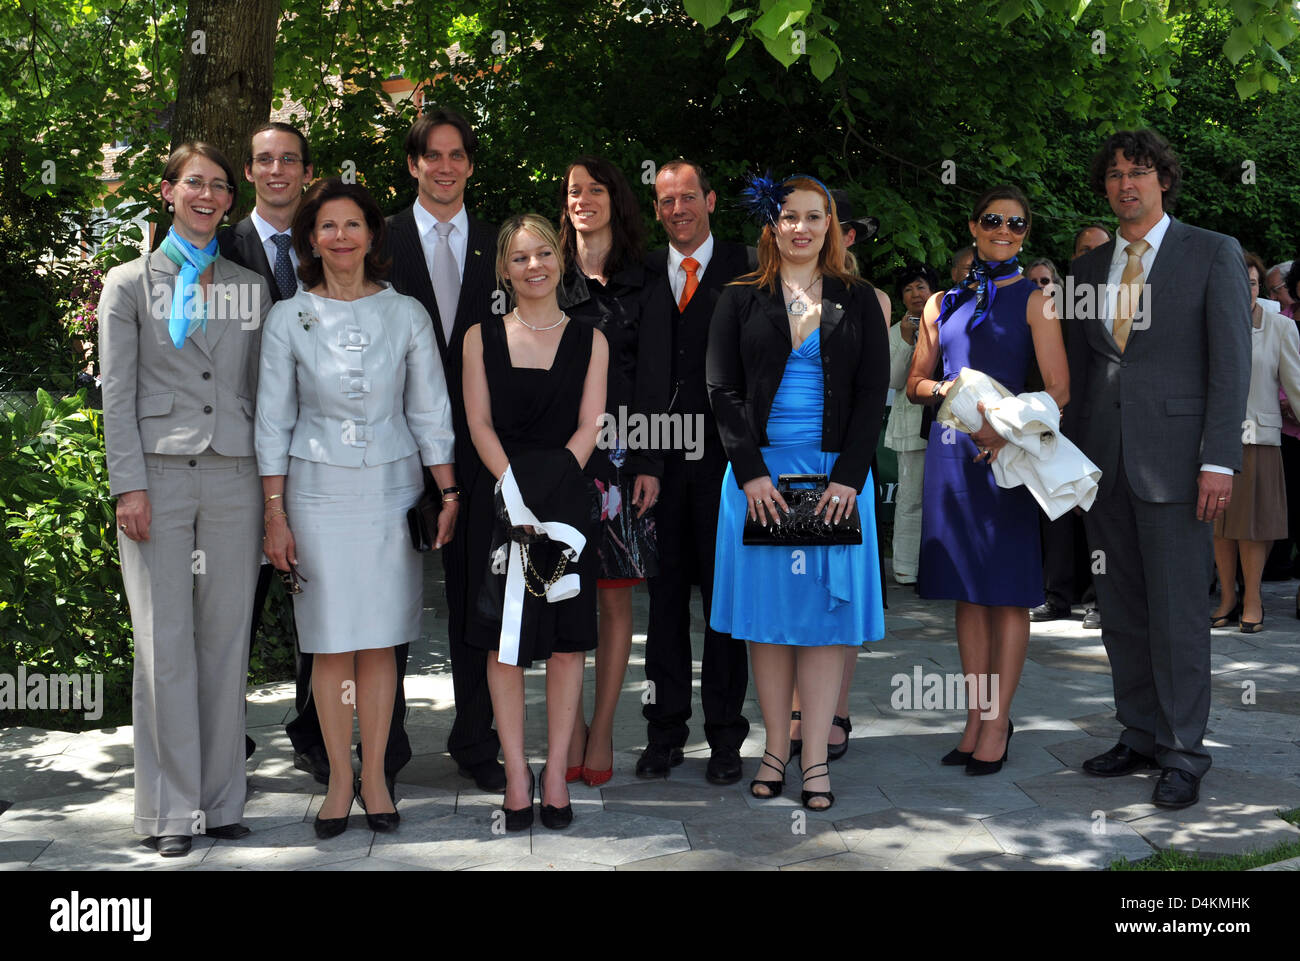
(798, 369)
(980, 542)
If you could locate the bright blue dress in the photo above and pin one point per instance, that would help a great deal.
(980, 542)
(808, 596)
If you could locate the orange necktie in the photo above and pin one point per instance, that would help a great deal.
(691, 265)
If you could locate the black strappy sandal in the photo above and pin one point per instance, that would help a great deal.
(809, 795)
(774, 786)
(836, 751)
(796, 743)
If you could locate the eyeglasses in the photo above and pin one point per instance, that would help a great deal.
(1280, 285)
(991, 222)
(288, 160)
(291, 580)
(198, 185)
(1137, 173)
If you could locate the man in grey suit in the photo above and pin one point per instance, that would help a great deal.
(1160, 369)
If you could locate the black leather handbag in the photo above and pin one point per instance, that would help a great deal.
(800, 528)
(422, 519)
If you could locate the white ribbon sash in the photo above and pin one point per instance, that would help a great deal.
(566, 587)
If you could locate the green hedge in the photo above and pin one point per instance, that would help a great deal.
(62, 605)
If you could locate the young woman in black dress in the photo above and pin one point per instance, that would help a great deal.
(602, 238)
(534, 383)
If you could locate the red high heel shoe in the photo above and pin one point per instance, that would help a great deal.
(595, 778)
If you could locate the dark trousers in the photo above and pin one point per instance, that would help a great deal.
(1067, 565)
(304, 730)
(687, 524)
(472, 740)
(1157, 636)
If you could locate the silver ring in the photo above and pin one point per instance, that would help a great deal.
(122, 527)
(835, 498)
(1223, 498)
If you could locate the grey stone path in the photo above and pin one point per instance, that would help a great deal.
(897, 807)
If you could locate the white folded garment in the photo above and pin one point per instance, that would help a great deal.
(1037, 455)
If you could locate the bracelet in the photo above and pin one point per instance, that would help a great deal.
(451, 499)
(277, 512)
(271, 498)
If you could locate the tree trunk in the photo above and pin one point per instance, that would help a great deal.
(224, 88)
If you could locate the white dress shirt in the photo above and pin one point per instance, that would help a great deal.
(677, 273)
(265, 231)
(458, 240)
(1118, 260)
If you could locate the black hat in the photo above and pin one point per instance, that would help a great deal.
(865, 226)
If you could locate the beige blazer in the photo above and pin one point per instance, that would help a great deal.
(161, 400)
(1274, 362)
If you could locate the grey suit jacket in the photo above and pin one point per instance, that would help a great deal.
(161, 400)
(1176, 397)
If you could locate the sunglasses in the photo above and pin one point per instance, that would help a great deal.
(292, 580)
(1042, 281)
(1017, 225)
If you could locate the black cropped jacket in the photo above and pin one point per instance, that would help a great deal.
(749, 344)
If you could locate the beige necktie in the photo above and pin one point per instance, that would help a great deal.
(1130, 289)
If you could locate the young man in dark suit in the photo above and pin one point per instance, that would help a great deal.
(446, 259)
(685, 281)
(279, 169)
(1159, 373)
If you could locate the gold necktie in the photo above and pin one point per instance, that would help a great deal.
(1130, 290)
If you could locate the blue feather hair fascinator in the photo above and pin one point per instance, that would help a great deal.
(762, 197)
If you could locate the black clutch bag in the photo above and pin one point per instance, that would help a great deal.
(422, 519)
(800, 528)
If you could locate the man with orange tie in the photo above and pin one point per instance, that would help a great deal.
(684, 283)
(1159, 374)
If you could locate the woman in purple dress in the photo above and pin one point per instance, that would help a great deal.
(980, 542)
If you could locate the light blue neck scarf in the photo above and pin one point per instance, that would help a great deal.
(188, 311)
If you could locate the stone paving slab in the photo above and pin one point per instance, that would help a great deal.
(1050, 836)
(66, 799)
(912, 839)
(1224, 822)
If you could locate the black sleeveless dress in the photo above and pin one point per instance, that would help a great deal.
(533, 410)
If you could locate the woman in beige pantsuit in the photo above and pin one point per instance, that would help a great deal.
(179, 332)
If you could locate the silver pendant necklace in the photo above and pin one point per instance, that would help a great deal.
(563, 318)
(797, 307)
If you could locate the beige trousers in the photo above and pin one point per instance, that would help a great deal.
(190, 587)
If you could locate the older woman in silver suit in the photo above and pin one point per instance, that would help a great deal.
(352, 399)
(178, 334)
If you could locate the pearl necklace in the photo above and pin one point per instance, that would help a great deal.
(563, 318)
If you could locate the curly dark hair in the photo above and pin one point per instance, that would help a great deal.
(624, 216)
(1140, 147)
(910, 273)
(310, 271)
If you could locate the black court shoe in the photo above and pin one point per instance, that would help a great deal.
(552, 817)
(521, 819)
(977, 767)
